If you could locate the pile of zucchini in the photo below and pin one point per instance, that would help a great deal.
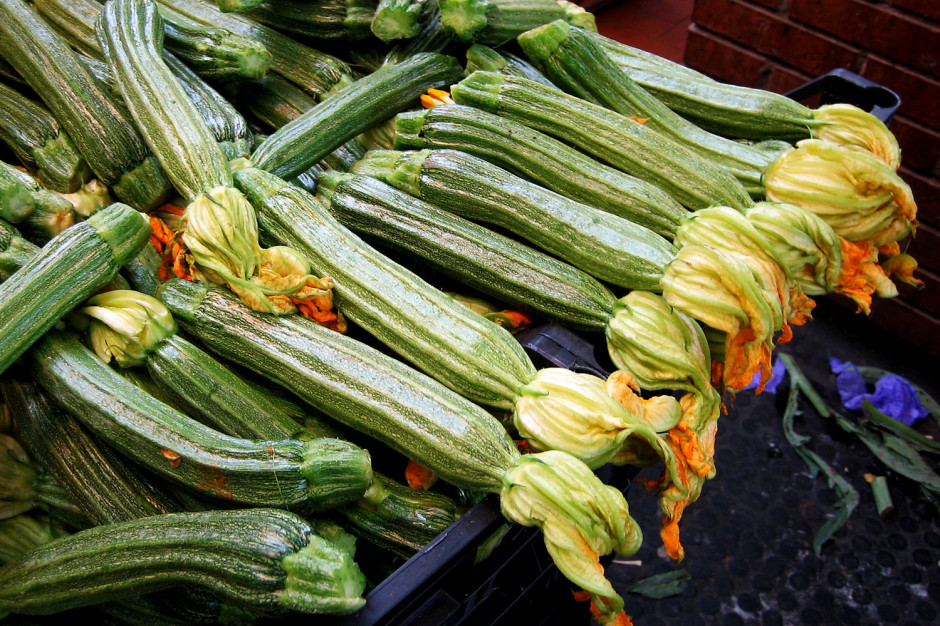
(261, 263)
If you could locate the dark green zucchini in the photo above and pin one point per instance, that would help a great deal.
(272, 561)
(399, 19)
(41, 215)
(15, 251)
(37, 140)
(625, 144)
(90, 253)
(605, 246)
(480, 57)
(477, 256)
(302, 142)
(106, 138)
(325, 20)
(495, 22)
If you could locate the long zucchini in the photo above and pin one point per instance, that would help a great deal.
(605, 246)
(15, 251)
(623, 143)
(269, 560)
(327, 20)
(541, 158)
(35, 297)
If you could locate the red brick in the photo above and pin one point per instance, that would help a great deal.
(775, 36)
(924, 8)
(920, 146)
(926, 192)
(773, 5)
(783, 79)
(908, 323)
(722, 59)
(875, 27)
(925, 247)
(927, 298)
(919, 93)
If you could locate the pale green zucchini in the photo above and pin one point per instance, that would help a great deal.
(605, 246)
(540, 158)
(302, 142)
(623, 143)
(269, 560)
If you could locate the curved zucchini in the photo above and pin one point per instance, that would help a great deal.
(284, 473)
(270, 560)
(625, 144)
(90, 253)
(463, 350)
(605, 246)
(477, 256)
(329, 20)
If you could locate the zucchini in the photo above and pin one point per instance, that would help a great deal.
(302, 142)
(540, 158)
(15, 251)
(284, 473)
(102, 484)
(107, 140)
(464, 351)
(90, 253)
(607, 136)
(477, 256)
(495, 22)
(36, 139)
(269, 560)
(317, 73)
(480, 57)
(16, 201)
(399, 19)
(328, 20)
(605, 246)
(41, 214)
(22, 533)
(574, 62)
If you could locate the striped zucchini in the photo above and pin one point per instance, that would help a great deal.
(607, 136)
(495, 22)
(272, 561)
(302, 142)
(477, 256)
(36, 139)
(605, 246)
(464, 350)
(327, 20)
(480, 57)
(107, 140)
(90, 253)
(399, 19)
(39, 213)
(14, 250)
(540, 158)
(284, 473)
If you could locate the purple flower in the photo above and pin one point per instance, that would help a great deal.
(894, 396)
(776, 377)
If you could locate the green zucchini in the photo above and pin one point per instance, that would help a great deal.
(103, 484)
(607, 136)
(573, 61)
(495, 22)
(464, 351)
(272, 561)
(399, 19)
(37, 140)
(48, 213)
(107, 140)
(605, 246)
(545, 160)
(302, 142)
(283, 473)
(329, 20)
(317, 73)
(15, 251)
(21, 533)
(90, 253)
(477, 256)
(480, 57)
(16, 201)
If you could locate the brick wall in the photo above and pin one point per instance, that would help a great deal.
(780, 44)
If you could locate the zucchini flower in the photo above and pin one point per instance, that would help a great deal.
(220, 230)
(857, 193)
(723, 292)
(91, 198)
(849, 126)
(21, 533)
(580, 518)
(126, 325)
(572, 412)
(728, 230)
(660, 346)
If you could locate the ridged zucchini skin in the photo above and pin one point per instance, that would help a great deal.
(270, 560)
(496, 22)
(107, 139)
(15, 251)
(284, 473)
(102, 483)
(605, 246)
(89, 254)
(444, 339)
(34, 136)
(328, 20)
(316, 72)
(302, 142)
(607, 136)
(351, 382)
(722, 108)
(477, 256)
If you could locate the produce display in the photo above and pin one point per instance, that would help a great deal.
(262, 263)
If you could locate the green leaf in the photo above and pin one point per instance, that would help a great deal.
(912, 437)
(661, 585)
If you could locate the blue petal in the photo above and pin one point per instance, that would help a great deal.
(851, 388)
(895, 396)
(776, 377)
